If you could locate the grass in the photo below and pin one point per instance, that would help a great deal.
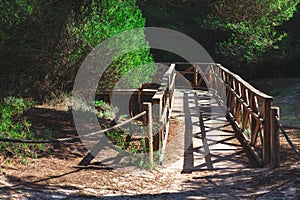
(134, 149)
(282, 91)
(286, 93)
(289, 105)
(12, 125)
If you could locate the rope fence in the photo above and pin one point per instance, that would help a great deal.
(288, 139)
(71, 139)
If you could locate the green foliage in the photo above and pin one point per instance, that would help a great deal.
(119, 16)
(42, 43)
(117, 138)
(251, 24)
(135, 150)
(11, 127)
(34, 46)
(104, 110)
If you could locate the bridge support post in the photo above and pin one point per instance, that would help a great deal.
(275, 143)
(266, 151)
(148, 108)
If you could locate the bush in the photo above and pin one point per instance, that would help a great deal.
(11, 127)
(42, 43)
(117, 17)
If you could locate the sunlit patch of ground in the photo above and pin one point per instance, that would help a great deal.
(286, 93)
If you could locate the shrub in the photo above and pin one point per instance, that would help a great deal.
(42, 43)
(11, 127)
(117, 17)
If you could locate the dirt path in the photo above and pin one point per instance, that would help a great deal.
(57, 179)
(53, 176)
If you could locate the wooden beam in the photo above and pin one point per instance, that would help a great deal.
(267, 132)
(148, 108)
(275, 142)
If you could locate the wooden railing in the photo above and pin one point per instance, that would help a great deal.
(156, 99)
(162, 107)
(249, 110)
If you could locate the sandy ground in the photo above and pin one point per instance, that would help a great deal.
(55, 176)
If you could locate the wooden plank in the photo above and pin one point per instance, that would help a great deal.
(157, 104)
(139, 98)
(117, 91)
(203, 74)
(164, 115)
(187, 71)
(164, 143)
(189, 63)
(252, 112)
(258, 129)
(238, 111)
(245, 118)
(208, 159)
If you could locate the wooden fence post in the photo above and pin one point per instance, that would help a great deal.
(275, 143)
(210, 86)
(196, 72)
(139, 98)
(267, 132)
(148, 108)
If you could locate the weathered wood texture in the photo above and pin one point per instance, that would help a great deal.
(162, 105)
(248, 108)
(148, 107)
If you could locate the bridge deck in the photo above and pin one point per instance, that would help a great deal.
(205, 140)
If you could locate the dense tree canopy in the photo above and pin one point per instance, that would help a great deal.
(252, 24)
(42, 43)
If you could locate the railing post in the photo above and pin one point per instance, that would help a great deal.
(267, 132)
(275, 143)
(139, 98)
(210, 77)
(196, 71)
(157, 108)
(148, 108)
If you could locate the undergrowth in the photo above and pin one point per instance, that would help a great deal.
(13, 125)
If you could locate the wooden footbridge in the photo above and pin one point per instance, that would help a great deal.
(248, 110)
(217, 106)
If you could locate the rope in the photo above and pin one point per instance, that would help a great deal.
(71, 139)
(14, 140)
(288, 139)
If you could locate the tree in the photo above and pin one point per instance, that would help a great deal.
(252, 25)
(42, 43)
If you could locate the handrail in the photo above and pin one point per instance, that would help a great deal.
(246, 84)
(164, 99)
(248, 109)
